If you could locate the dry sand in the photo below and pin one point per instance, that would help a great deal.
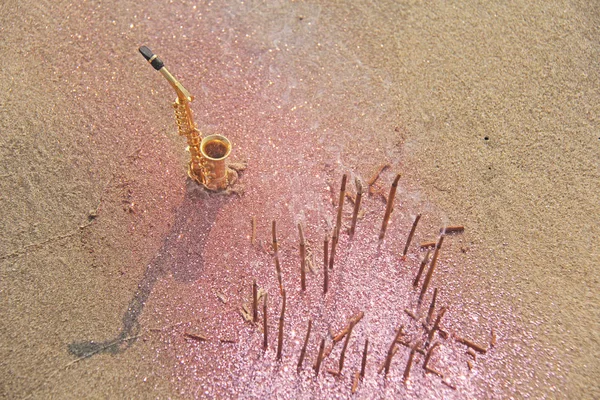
(490, 112)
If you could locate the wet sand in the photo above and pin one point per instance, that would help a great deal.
(108, 256)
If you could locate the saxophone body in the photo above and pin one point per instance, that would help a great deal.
(207, 155)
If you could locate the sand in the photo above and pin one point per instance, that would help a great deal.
(108, 255)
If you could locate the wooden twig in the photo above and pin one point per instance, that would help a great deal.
(353, 321)
(431, 307)
(429, 354)
(338, 222)
(421, 268)
(334, 242)
(274, 232)
(389, 207)
(411, 356)
(343, 353)
(411, 234)
(392, 350)
(303, 351)
(280, 336)
(431, 268)
(407, 344)
(254, 302)
(436, 324)
(472, 354)
(474, 346)
(452, 229)
(450, 385)
(363, 365)
(374, 178)
(355, 382)
(434, 371)
(253, 234)
(276, 251)
(325, 266)
(195, 336)
(410, 314)
(493, 338)
(359, 193)
(388, 361)
(265, 326)
(302, 259)
(425, 245)
(320, 356)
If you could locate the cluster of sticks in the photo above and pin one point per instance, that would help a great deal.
(425, 347)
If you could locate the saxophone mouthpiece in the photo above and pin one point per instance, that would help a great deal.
(152, 58)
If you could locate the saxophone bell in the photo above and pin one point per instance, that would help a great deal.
(215, 149)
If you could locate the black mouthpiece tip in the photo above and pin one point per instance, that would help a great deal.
(152, 58)
(146, 52)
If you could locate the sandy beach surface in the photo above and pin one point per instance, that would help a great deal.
(120, 278)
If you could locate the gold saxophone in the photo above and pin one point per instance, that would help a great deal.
(207, 163)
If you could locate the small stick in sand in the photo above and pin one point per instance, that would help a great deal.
(353, 321)
(338, 222)
(431, 307)
(277, 265)
(431, 268)
(434, 371)
(363, 365)
(474, 346)
(356, 381)
(265, 326)
(278, 270)
(472, 354)
(389, 207)
(302, 259)
(429, 354)
(325, 267)
(334, 241)
(196, 336)
(274, 231)
(411, 234)
(493, 339)
(411, 356)
(407, 344)
(450, 385)
(392, 350)
(374, 178)
(303, 351)
(452, 229)
(320, 357)
(410, 314)
(325, 252)
(421, 268)
(359, 192)
(343, 353)
(388, 361)
(253, 235)
(425, 245)
(436, 324)
(280, 336)
(254, 302)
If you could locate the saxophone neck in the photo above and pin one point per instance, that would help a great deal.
(182, 94)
